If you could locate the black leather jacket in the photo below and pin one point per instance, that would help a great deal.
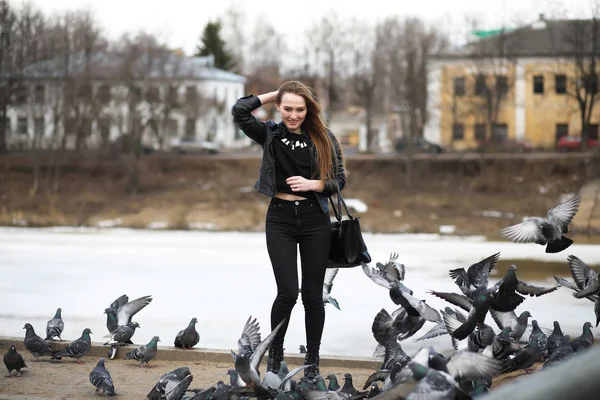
(263, 133)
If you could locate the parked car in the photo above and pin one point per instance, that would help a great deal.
(504, 146)
(193, 145)
(124, 144)
(574, 143)
(419, 145)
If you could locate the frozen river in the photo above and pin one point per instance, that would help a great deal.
(222, 278)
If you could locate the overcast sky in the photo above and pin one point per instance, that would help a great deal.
(181, 21)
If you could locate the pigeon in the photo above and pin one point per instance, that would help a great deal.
(101, 379)
(122, 310)
(172, 385)
(547, 231)
(555, 339)
(582, 275)
(439, 329)
(188, 337)
(302, 349)
(524, 359)
(586, 339)
(386, 328)
(333, 382)
(35, 344)
(504, 345)
(475, 276)
(327, 285)
(121, 336)
(562, 352)
(393, 270)
(518, 325)
(480, 338)
(348, 386)
(387, 278)
(77, 348)
(540, 337)
(432, 384)
(251, 351)
(55, 326)
(234, 378)
(13, 361)
(144, 353)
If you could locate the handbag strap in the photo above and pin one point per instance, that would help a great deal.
(338, 212)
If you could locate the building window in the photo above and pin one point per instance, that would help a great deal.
(500, 132)
(104, 94)
(501, 84)
(172, 127)
(538, 84)
(22, 126)
(172, 95)
(20, 94)
(190, 128)
(39, 94)
(561, 130)
(104, 128)
(190, 94)
(458, 132)
(152, 95)
(38, 127)
(560, 84)
(480, 85)
(593, 131)
(459, 86)
(480, 132)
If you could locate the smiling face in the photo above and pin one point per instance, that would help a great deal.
(293, 111)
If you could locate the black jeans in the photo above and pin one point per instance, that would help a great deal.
(289, 224)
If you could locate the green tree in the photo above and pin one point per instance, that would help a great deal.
(212, 43)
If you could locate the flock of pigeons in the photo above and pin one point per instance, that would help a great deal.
(481, 352)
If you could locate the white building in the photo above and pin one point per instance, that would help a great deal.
(87, 104)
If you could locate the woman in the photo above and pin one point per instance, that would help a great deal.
(302, 165)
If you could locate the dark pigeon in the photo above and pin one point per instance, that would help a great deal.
(583, 276)
(555, 338)
(540, 337)
(101, 379)
(504, 345)
(524, 359)
(172, 385)
(188, 337)
(333, 382)
(546, 231)
(77, 348)
(13, 361)
(475, 276)
(562, 352)
(120, 312)
(35, 344)
(55, 326)
(586, 339)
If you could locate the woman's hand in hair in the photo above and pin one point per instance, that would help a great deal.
(301, 184)
(268, 97)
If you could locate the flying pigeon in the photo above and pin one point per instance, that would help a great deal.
(13, 361)
(122, 310)
(77, 348)
(35, 344)
(251, 351)
(547, 231)
(55, 326)
(330, 275)
(583, 277)
(101, 379)
(188, 337)
(144, 353)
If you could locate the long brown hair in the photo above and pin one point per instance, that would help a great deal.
(314, 125)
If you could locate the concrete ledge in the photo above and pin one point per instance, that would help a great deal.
(170, 353)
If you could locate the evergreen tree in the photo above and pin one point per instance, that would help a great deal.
(212, 43)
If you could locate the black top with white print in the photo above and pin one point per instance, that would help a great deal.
(292, 158)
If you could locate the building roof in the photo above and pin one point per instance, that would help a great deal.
(113, 65)
(542, 38)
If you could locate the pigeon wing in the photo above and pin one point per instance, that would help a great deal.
(175, 389)
(459, 300)
(250, 337)
(561, 215)
(264, 346)
(127, 311)
(118, 303)
(377, 276)
(504, 319)
(526, 232)
(329, 277)
(582, 273)
(479, 272)
(465, 364)
(532, 290)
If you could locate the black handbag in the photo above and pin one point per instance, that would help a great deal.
(348, 248)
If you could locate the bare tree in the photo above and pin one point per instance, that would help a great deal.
(577, 44)
(7, 52)
(234, 21)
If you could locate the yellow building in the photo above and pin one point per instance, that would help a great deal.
(519, 84)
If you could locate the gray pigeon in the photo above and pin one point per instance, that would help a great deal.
(524, 359)
(520, 330)
(540, 337)
(172, 385)
(121, 336)
(101, 379)
(504, 345)
(250, 353)
(188, 337)
(13, 361)
(144, 353)
(583, 276)
(562, 352)
(77, 348)
(122, 310)
(546, 231)
(586, 339)
(234, 378)
(555, 339)
(55, 326)
(432, 384)
(35, 344)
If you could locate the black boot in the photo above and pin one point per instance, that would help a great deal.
(312, 359)
(275, 359)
